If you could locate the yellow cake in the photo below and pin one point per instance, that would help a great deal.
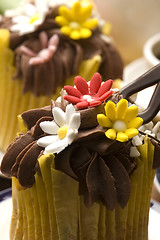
(82, 168)
(43, 45)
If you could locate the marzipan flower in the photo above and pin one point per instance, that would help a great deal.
(76, 22)
(88, 94)
(32, 17)
(49, 47)
(61, 131)
(121, 120)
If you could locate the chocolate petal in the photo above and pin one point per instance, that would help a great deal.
(36, 130)
(30, 117)
(15, 167)
(13, 151)
(121, 179)
(100, 184)
(26, 170)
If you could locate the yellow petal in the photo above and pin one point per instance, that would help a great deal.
(107, 28)
(131, 113)
(66, 30)
(61, 21)
(76, 11)
(104, 121)
(65, 12)
(122, 107)
(90, 23)
(75, 34)
(85, 13)
(111, 134)
(131, 132)
(135, 122)
(85, 33)
(110, 109)
(122, 137)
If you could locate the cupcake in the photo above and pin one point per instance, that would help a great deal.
(83, 166)
(43, 45)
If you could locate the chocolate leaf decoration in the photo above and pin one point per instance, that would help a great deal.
(27, 166)
(121, 179)
(15, 167)
(13, 151)
(100, 184)
(30, 117)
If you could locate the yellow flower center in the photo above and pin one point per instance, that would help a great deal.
(74, 25)
(119, 126)
(34, 18)
(62, 132)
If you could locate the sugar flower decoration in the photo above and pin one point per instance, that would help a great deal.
(89, 94)
(49, 47)
(121, 120)
(61, 131)
(30, 19)
(76, 22)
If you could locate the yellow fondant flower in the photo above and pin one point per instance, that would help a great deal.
(76, 22)
(121, 120)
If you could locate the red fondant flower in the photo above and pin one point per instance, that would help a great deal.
(88, 94)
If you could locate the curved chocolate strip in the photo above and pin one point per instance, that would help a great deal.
(121, 179)
(36, 130)
(100, 184)
(13, 151)
(153, 107)
(30, 117)
(26, 170)
(148, 79)
(15, 167)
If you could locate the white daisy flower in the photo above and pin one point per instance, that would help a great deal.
(62, 130)
(31, 18)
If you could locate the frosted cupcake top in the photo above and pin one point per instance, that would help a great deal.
(93, 135)
(51, 41)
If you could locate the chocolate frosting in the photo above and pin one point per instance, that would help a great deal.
(100, 165)
(43, 79)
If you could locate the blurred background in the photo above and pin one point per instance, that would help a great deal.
(133, 22)
(7, 4)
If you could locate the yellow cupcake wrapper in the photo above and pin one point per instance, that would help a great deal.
(70, 217)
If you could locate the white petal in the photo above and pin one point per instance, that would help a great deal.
(75, 121)
(41, 6)
(29, 9)
(20, 19)
(70, 110)
(27, 28)
(47, 140)
(134, 152)
(57, 146)
(59, 116)
(136, 141)
(71, 135)
(49, 127)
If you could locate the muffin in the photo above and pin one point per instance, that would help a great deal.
(85, 165)
(43, 45)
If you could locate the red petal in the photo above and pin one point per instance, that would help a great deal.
(72, 99)
(81, 85)
(95, 83)
(82, 105)
(106, 95)
(105, 87)
(72, 91)
(95, 103)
